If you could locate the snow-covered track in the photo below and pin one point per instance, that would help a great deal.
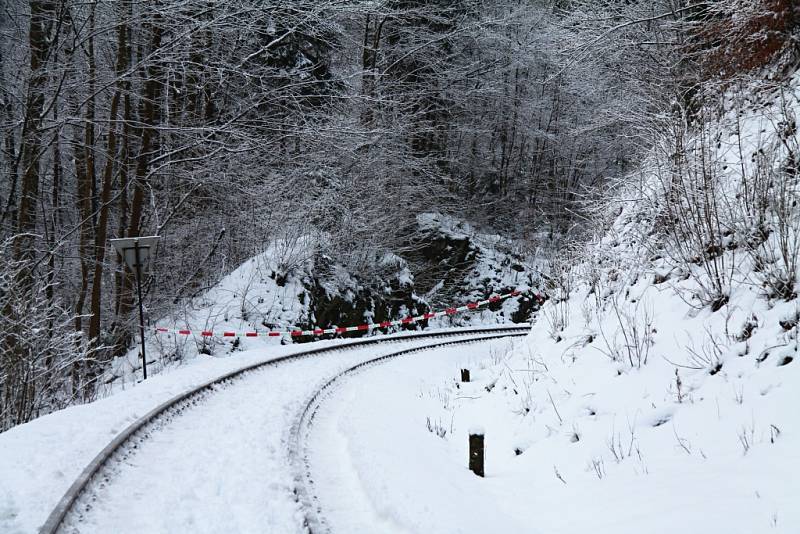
(314, 516)
(99, 473)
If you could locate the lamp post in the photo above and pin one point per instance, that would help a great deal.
(136, 251)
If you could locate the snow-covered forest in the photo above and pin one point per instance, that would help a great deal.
(625, 174)
(225, 127)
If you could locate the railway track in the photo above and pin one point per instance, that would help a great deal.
(81, 497)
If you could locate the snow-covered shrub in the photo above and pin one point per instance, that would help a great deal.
(291, 250)
(770, 202)
(631, 336)
(42, 360)
(694, 217)
(560, 284)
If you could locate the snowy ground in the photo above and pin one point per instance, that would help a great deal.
(40, 459)
(621, 456)
(614, 451)
(224, 466)
(241, 428)
(377, 467)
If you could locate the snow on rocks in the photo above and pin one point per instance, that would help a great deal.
(290, 285)
(293, 284)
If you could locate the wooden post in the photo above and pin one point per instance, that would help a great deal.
(465, 375)
(476, 449)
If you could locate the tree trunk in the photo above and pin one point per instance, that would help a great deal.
(16, 395)
(9, 149)
(42, 16)
(84, 205)
(105, 194)
(147, 117)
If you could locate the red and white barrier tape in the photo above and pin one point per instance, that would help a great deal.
(345, 329)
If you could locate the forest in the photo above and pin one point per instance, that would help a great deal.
(224, 127)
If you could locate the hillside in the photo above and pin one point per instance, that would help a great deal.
(657, 389)
(294, 285)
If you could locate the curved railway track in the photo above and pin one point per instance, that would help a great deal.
(314, 518)
(79, 498)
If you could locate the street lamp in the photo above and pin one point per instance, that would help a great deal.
(135, 251)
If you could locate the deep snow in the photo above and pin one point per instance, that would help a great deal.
(40, 459)
(611, 453)
(377, 467)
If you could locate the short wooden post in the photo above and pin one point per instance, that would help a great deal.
(476, 449)
(465, 375)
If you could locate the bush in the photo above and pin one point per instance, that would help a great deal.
(39, 350)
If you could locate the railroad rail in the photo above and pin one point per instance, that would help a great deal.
(126, 442)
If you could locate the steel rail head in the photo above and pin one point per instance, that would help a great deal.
(55, 520)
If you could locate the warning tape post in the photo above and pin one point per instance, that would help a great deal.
(345, 329)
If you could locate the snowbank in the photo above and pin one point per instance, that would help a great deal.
(648, 397)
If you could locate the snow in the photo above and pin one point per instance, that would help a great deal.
(223, 467)
(245, 300)
(270, 291)
(631, 457)
(40, 459)
(631, 407)
(377, 468)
